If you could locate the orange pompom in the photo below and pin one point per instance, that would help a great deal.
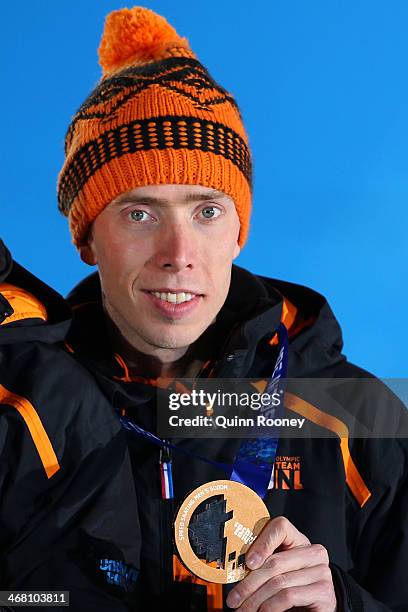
(135, 35)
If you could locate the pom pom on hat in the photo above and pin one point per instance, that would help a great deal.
(133, 36)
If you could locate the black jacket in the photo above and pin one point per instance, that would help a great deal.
(69, 517)
(353, 497)
(64, 462)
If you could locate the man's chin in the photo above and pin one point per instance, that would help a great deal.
(173, 337)
(174, 342)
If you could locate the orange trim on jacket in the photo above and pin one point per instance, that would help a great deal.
(353, 478)
(162, 381)
(292, 319)
(35, 427)
(288, 317)
(24, 304)
(214, 590)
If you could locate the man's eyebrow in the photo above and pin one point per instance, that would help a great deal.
(193, 196)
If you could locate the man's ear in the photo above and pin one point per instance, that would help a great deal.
(237, 250)
(87, 255)
(87, 250)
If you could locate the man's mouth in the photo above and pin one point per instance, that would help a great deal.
(175, 304)
(178, 296)
(174, 298)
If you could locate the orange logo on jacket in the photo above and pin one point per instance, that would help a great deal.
(287, 473)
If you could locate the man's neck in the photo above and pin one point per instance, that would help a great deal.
(178, 363)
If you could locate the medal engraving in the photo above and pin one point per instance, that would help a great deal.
(215, 526)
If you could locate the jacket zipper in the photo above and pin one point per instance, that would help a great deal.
(166, 518)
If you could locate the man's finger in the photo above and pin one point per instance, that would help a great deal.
(319, 596)
(279, 564)
(250, 599)
(277, 532)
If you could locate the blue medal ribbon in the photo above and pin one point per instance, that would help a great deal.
(254, 462)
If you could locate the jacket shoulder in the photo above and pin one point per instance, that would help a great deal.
(18, 304)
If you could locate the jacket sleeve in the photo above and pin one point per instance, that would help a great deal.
(382, 586)
(74, 528)
(351, 597)
(22, 475)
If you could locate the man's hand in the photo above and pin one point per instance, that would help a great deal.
(296, 576)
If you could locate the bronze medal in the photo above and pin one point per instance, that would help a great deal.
(215, 526)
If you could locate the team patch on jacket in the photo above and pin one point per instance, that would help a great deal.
(287, 473)
(119, 573)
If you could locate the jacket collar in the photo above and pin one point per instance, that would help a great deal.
(250, 315)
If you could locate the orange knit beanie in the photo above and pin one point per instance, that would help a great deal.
(156, 117)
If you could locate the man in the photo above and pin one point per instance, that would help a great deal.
(157, 187)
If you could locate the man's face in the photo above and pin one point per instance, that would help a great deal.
(164, 254)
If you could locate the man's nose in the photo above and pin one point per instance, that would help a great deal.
(176, 248)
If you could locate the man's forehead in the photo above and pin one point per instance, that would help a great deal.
(163, 194)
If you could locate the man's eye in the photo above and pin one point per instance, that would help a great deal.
(210, 212)
(138, 215)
